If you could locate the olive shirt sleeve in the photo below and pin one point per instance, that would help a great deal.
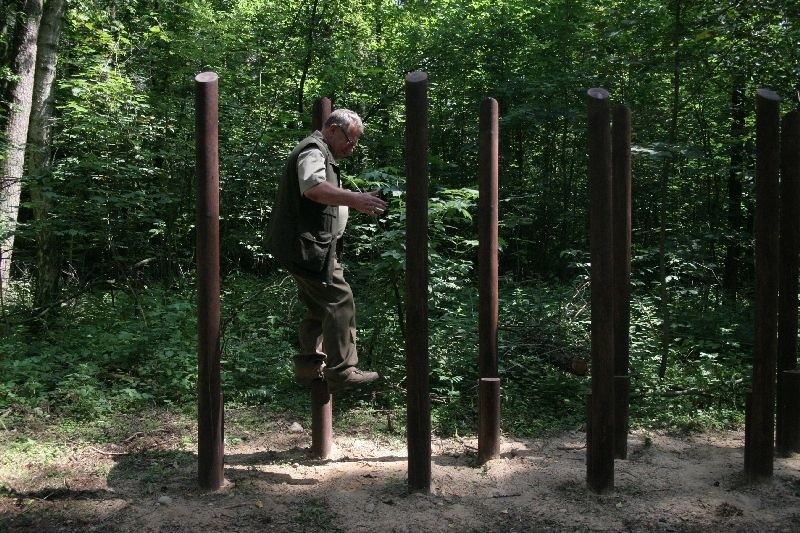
(310, 168)
(311, 172)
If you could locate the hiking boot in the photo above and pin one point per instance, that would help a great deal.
(308, 367)
(349, 378)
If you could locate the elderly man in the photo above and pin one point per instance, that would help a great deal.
(307, 223)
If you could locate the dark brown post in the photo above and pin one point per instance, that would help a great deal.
(210, 447)
(759, 459)
(489, 390)
(321, 112)
(791, 412)
(621, 165)
(321, 419)
(418, 384)
(748, 421)
(600, 433)
(321, 401)
(489, 419)
(788, 268)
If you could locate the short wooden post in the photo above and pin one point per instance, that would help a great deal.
(791, 412)
(748, 434)
(321, 419)
(320, 113)
(488, 419)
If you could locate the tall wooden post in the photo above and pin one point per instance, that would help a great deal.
(210, 447)
(621, 169)
(488, 218)
(600, 426)
(758, 456)
(786, 421)
(418, 382)
(320, 113)
(321, 400)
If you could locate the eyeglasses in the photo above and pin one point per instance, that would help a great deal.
(350, 141)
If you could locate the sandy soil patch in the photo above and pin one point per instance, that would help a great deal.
(148, 483)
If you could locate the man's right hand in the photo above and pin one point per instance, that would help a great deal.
(365, 202)
(371, 203)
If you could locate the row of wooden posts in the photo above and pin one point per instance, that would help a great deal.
(609, 172)
(777, 221)
(769, 425)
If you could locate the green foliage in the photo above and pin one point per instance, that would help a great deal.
(117, 354)
(710, 368)
(110, 351)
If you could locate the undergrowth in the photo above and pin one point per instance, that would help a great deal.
(120, 351)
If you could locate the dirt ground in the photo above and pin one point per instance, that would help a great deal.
(147, 482)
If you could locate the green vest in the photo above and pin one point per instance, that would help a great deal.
(300, 231)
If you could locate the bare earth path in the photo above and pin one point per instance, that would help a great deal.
(147, 482)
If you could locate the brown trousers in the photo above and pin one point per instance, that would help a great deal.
(329, 324)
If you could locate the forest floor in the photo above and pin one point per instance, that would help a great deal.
(144, 478)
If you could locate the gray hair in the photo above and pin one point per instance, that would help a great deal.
(345, 118)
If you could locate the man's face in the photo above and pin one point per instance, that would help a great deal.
(342, 140)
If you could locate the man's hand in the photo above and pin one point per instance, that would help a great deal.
(370, 203)
(365, 202)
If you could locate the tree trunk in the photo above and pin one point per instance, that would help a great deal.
(730, 280)
(312, 22)
(17, 132)
(664, 187)
(8, 18)
(39, 137)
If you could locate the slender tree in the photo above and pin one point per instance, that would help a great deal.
(8, 17)
(39, 149)
(16, 134)
(301, 85)
(664, 183)
(732, 252)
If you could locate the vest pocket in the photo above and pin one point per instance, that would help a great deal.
(314, 249)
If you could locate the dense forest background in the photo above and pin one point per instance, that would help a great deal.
(98, 308)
